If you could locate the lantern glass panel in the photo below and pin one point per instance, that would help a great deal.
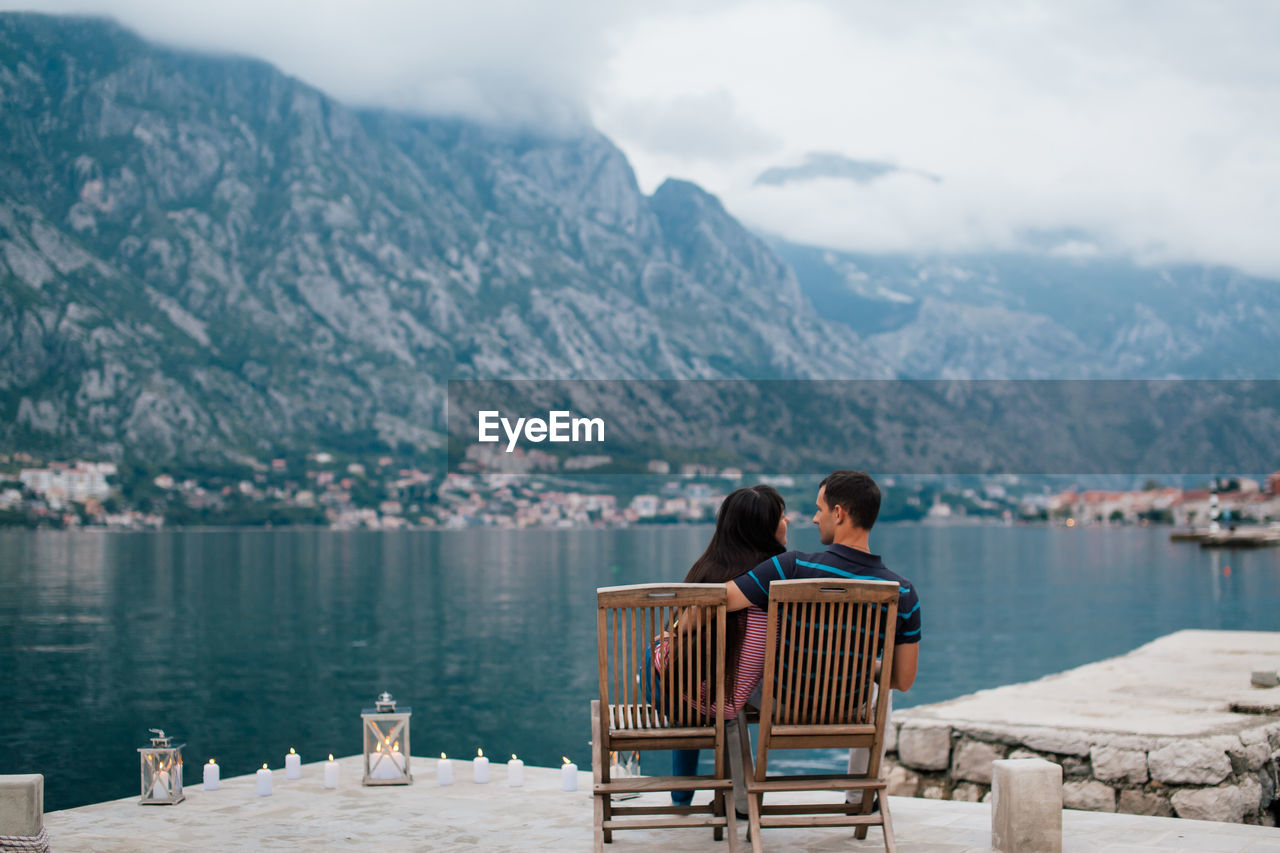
(161, 775)
(386, 747)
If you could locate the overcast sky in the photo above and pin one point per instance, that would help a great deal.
(1150, 129)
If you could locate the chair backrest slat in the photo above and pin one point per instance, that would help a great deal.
(687, 693)
(822, 647)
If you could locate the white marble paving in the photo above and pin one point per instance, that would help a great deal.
(302, 815)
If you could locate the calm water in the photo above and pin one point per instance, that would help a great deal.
(243, 644)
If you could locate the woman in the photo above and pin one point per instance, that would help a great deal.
(751, 527)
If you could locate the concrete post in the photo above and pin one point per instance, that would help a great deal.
(22, 805)
(1026, 806)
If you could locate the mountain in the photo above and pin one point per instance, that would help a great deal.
(1039, 316)
(201, 256)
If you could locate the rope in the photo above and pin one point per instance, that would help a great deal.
(25, 843)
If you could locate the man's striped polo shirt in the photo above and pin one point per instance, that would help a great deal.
(838, 561)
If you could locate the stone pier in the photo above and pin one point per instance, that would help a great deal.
(1174, 727)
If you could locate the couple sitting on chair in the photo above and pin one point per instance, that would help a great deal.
(747, 553)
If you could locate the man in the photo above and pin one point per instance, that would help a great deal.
(848, 503)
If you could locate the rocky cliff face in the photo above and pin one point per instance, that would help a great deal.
(1020, 316)
(200, 255)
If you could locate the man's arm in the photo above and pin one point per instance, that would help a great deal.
(737, 600)
(906, 658)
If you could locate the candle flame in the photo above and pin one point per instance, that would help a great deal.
(566, 759)
(210, 760)
(331, 756)
(442, 756)
(264, 767)
(395, 747)
(479, 753)
(513, 756)
(379, 748)
(291, 752)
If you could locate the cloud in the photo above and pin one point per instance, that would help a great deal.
(695, 127)
(1151, 129)
(499, 61)
(828, 164)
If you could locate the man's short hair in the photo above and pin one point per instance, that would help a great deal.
(856, 493)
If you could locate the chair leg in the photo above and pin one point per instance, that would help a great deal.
(600, 773)
(717, 809)
(864, 808)
(731, 822)
(754, 801)
(886, 824)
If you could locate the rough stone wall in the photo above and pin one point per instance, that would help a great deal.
(1230, 777)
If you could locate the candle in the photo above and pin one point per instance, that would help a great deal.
(444, 771)
(160, 786)
(386, 765)
(292, 765)
(331, 772)
(568, 775)
(515, 772)
(212, 776)
(264, 782)
(480, 767)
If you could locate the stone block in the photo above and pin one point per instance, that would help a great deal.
(1023, 753)
(1090, 796)
(1138, 743)
(1264, 678)
(890, 737)
(925, 745)
(1143, 803)
(22, 804)
(1257, 734)
(972, 761)
(1111, 764)
(1026, 806)
(934, 792)
(901, 782)
(1251, 795)
(1247, 759)
(1224, 803)
(1058, 741)
(968, 792)
(1074, 767)
(1190, 762)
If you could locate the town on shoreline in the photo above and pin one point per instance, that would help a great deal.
(386, 493)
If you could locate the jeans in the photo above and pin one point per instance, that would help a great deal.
(684, 762)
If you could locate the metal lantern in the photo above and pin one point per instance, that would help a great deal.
(386, 743)
(161, 771)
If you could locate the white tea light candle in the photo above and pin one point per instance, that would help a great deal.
(212, 776)
(515, 772)
(264, 782)
(331, 772)
(444, 771)
(568, 775)
(292, 765)
(480, 768)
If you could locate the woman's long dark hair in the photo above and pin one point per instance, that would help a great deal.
(745, 536)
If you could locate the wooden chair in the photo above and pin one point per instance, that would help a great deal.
(639, 709)
(820, 691)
